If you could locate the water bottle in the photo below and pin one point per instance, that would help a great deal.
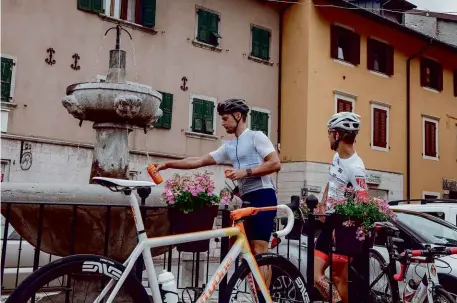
(410, 290)
(167, 280)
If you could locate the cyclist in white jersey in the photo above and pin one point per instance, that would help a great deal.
(347, 170)
(254, 158)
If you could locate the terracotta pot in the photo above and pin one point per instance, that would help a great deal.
(199, 220)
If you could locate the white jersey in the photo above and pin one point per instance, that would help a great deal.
(345, 173)
(247, 151)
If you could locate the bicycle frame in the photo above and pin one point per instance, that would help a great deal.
(240, 247)
(428, 283)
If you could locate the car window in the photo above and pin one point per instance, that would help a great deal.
(433, 232)
(438, 214)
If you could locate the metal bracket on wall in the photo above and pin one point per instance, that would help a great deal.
(75, 65)
(50, 60)
(25, 156)
(184, 81)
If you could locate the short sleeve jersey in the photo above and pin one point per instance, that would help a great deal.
(345, 173)
(247, 151)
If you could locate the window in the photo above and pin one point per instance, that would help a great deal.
(431, 231)
(208, 27)
(142, 12)
(380, 57)
(167, 107)
(8, 75)
(5, 173)
(430, 138)
(379, 127)
(202, 115)
(260, 47)
(344, 45)
(260, 120)
(431, 74)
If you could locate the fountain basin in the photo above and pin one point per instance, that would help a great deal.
(62, 235)
(104, 102)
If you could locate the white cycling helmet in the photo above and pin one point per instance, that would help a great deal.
(346, 121)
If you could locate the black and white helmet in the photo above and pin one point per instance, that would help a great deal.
(347, 121)
(231, 106)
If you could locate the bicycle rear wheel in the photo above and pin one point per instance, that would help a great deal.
(287, 284)
(78, 278)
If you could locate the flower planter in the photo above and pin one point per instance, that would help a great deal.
(346, 242)
(199, 220)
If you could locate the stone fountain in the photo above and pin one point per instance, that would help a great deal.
(114, 107)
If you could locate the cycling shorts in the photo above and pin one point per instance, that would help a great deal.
(260, 226)
(324, 243)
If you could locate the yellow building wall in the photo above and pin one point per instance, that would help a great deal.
(310, 77)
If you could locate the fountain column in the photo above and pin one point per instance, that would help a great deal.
(111, 151)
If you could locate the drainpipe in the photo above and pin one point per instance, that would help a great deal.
(408, 117)
(281, 19)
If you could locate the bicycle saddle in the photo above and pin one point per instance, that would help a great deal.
(121, 184)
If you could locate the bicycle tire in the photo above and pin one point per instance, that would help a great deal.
(70, 265)
(276, 261)
(377, 255)
(439, 291)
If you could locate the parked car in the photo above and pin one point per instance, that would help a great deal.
(445, 209)
(416, 229)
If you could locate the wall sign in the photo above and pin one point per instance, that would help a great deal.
(373, 178)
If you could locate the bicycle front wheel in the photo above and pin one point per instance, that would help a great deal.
(78, 278)
(286, 283)
(442, 296)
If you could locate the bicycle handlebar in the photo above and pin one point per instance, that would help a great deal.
(406, 256)
(290, 222)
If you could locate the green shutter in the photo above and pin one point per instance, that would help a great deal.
(255, 52)
(208, 27)
(91, 5)
(259, 121)
(149, 13)
(203, 26)
(97, 6)
(260, 43)
(7, 71)
(167, 107)
(197, 115)
(208, 117)
(265, 45)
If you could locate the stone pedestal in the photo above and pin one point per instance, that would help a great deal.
(111, 151)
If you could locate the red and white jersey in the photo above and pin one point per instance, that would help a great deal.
(346, 173)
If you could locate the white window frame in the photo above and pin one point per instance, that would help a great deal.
(262, 110)
(345, 97)
(13, 75)
(424, 118)
(385, 107)
(431, 193)
(219, 23)
(206, 98)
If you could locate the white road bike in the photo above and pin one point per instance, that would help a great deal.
(115, 283)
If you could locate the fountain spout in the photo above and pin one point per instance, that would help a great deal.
(116, 71)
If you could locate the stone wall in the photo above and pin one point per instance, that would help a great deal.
(444, 30)
(57, 162)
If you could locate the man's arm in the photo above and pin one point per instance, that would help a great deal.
(188, 163)
(325, 195)
(271, 165)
